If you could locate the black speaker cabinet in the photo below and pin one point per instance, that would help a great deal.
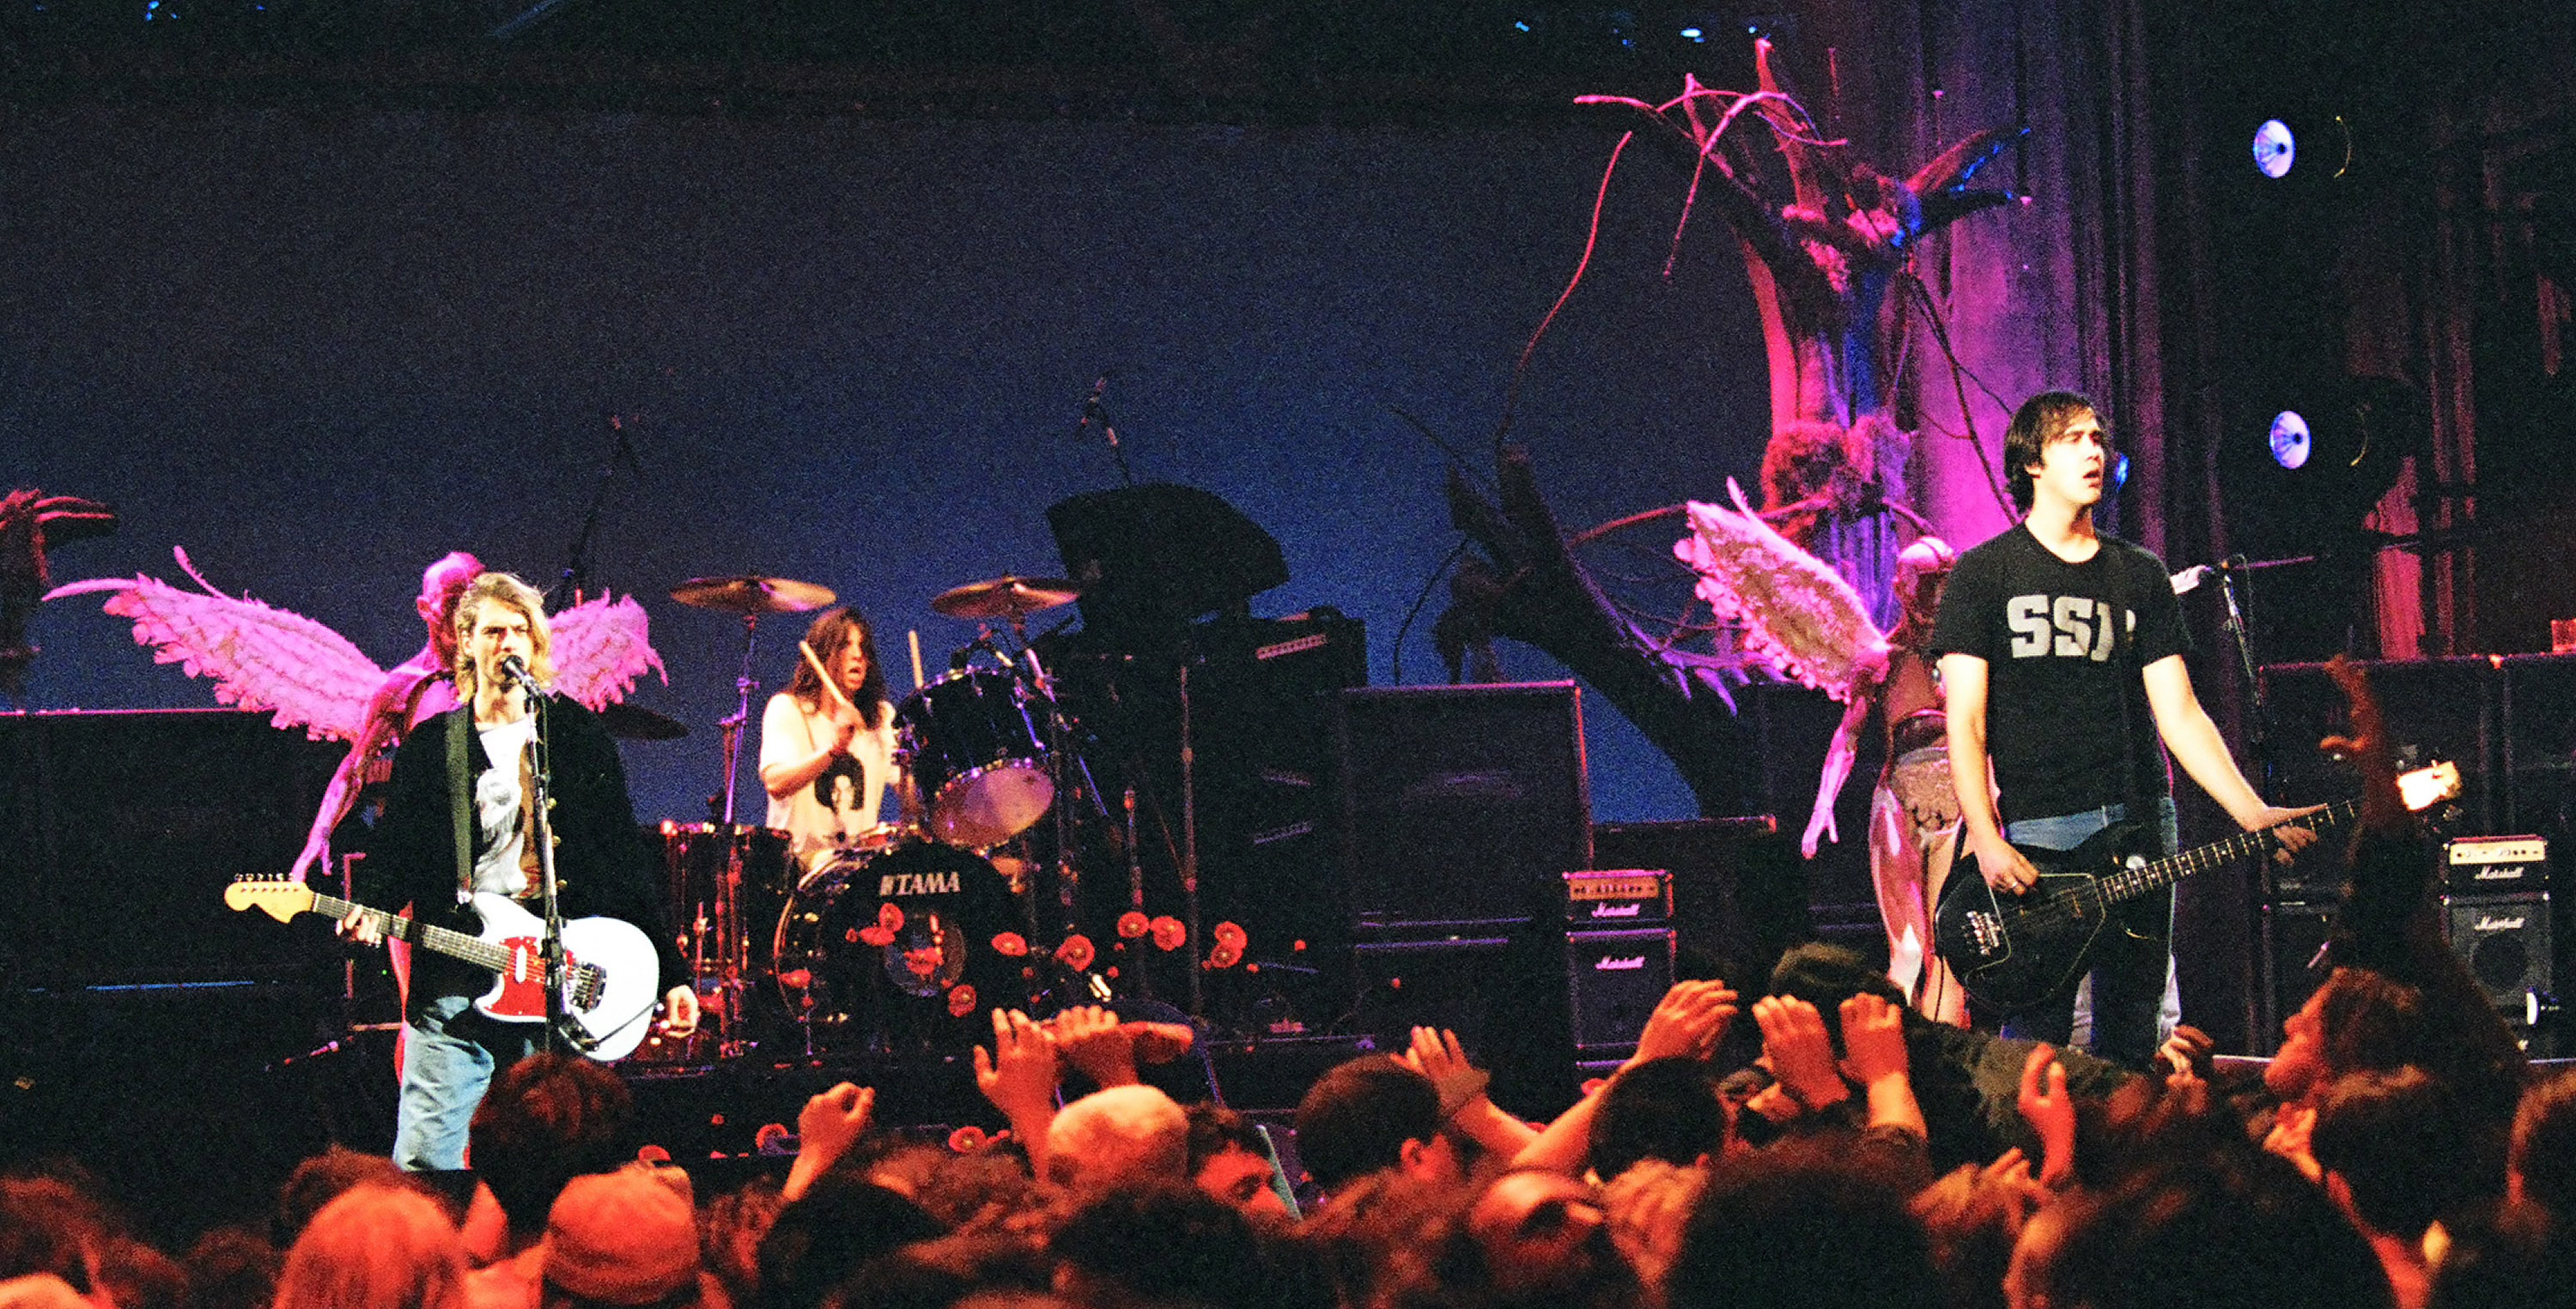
(2504, 939)
(1613, 981)
(1461, 804)
(1499, 991)
(119, 832)
(1739, 895)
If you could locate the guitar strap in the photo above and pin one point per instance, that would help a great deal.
(460, 792)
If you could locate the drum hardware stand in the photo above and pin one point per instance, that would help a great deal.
(744, 684)
(1190, 836)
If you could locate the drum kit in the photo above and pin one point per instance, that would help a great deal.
(900, 937)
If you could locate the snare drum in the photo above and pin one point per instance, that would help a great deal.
(978, 756)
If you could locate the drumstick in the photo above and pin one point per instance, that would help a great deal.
(918, 681)
(828, 684)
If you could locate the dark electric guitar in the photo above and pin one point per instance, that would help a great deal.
(2013, 952)
(608, 992)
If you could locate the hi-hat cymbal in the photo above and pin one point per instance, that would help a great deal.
(634, 722)
(752, 595)
(1005, 597)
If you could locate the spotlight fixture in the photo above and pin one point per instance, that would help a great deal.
(2291, 441)
(2276, 149)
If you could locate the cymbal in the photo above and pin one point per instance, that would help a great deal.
(634, 722)
(752, 595)
(1005, 597)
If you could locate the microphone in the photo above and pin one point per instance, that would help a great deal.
(1091, 407)
(517, 671)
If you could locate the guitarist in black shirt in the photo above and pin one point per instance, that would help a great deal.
(2062, 653)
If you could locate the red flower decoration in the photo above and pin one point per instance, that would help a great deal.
(1170, 933)
(876, 936)
(1010, 945)
(968, 1140)
(961, 1001)
(1076, 952)
(1224, 956)
(1133, 924)
(890, 916)
(1232, 934)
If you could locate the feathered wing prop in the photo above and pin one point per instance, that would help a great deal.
(266, 658)
(260, 657)
(1799, 615)
(601, 647)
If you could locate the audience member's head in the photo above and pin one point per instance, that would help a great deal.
(1119, 1136)
(48, 1226)
(1794, 1227)
(1546, 1238)
(2543, 1164)
(1665, 1109)
(232, 1268)
(2395, 1151)
(625, 1239)
(1230, 1160)
(1372, 1113)
(2358, 1020)
(839, 1225)
(1158, 1246)
(548, 1119)
(1649, 1205)
(322, 1179)
(375, 1247)
(2236, 1227)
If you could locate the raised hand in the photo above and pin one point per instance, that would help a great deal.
(1873, 1039)
(1091, 1039)
(1801, 1054)
(1687, 1023)
(831, 1122)
(2050, 1111)
(1018, 1073)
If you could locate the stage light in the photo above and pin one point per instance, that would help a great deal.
(2290, 439)
(1694, 34)
(2276, 149)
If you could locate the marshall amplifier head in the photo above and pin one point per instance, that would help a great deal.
(1623, 897)
(2495, 865)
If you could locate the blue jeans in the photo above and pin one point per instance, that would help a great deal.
(2131, 958)
(449, 1054)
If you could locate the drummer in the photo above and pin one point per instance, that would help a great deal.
(827, 752)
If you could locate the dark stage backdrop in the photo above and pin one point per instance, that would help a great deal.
(318, 351)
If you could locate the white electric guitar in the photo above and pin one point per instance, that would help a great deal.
(609, 988)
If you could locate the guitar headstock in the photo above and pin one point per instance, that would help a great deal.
(2428, 786)
(274, 894)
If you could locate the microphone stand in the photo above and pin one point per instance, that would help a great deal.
(2258, 718)
(1093, 412)
(551, 948)
(576, 573)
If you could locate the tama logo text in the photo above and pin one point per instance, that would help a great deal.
(899, 884)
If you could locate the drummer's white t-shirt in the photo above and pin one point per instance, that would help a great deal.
(846, 798)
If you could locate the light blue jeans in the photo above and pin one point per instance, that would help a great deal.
(2132, 958)
(449, 1054)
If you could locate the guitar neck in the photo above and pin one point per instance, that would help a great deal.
(447, 941)
(2130, 883)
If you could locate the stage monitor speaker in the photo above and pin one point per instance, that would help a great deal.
(119, 832)
(1461, 804)
(1613, 980)
(2294, 963)
(2504, 939)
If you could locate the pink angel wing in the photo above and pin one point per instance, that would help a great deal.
(601, 647)
(1799, 614)
(260, 657)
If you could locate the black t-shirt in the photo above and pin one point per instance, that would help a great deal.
(2055, 668)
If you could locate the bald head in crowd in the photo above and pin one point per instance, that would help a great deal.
(1121, 1135)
